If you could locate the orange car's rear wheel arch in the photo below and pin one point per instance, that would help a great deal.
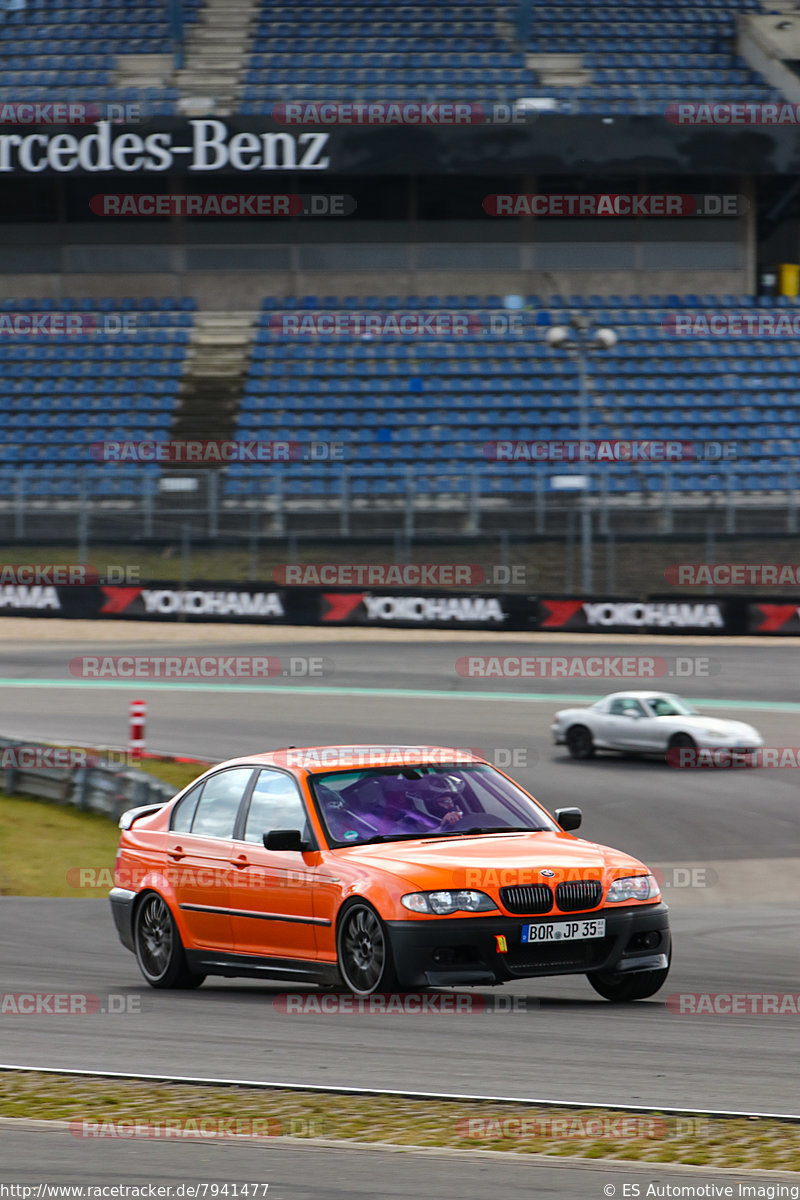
(159, 951)
(363, 951)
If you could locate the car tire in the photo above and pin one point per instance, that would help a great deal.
(682, 741)
(620, 987)
(159, 950)
(363, 952)
(580, 742)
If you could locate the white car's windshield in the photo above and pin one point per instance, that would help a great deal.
(670, 706)
(386, 804)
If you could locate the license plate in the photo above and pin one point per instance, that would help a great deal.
(563, 931)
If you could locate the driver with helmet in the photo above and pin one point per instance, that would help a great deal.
(389, 810)
(440, 794)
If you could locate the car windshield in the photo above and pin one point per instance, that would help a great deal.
(387, 804)
(670, 706)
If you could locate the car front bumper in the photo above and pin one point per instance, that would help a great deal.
(455, 952)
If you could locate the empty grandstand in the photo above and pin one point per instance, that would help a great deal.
(574, 101)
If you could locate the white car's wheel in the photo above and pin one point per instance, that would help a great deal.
(580, 742)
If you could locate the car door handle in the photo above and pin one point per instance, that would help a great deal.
(176, 852)
(241, 860)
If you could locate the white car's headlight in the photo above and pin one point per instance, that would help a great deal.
(442, 903)
(716, 733)
(634, 887)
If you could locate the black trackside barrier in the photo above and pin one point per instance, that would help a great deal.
(265, 603)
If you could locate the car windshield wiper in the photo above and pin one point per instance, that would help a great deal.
(413, 837)
(389, 837)
(495, 829)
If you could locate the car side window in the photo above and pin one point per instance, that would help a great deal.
(215, 815)
(275, 804)
(626, 708)
(183, 812)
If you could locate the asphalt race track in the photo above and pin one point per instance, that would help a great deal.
(735, 927)
(328, 1172)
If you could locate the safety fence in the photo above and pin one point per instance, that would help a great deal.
(89, 780)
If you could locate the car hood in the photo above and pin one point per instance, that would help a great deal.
(715, 724)
(503, 860)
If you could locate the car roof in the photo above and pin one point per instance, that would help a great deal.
(311, 759)
(639, 695)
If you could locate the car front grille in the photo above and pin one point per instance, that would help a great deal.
(527, 901)
(573, 897)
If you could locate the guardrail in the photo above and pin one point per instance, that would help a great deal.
(102, 787)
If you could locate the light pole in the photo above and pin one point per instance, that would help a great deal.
(577, 339)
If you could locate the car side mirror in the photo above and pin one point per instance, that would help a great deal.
(569, 818)
(283, 839)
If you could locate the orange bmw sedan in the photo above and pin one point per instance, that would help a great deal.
(379, 868)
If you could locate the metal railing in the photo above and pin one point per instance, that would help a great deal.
(412, 503)
(104, 787)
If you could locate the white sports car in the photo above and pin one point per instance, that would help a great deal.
(647, 723)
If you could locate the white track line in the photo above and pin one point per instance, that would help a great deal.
(400, 1094)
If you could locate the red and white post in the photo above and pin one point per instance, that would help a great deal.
(136, 738)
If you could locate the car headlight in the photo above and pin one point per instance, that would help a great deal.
(441, 903)
(634, 887)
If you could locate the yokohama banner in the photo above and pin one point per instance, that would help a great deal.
(776, 619)
(634, 616)
(197, 603)
(428, 610)
(268, 603)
